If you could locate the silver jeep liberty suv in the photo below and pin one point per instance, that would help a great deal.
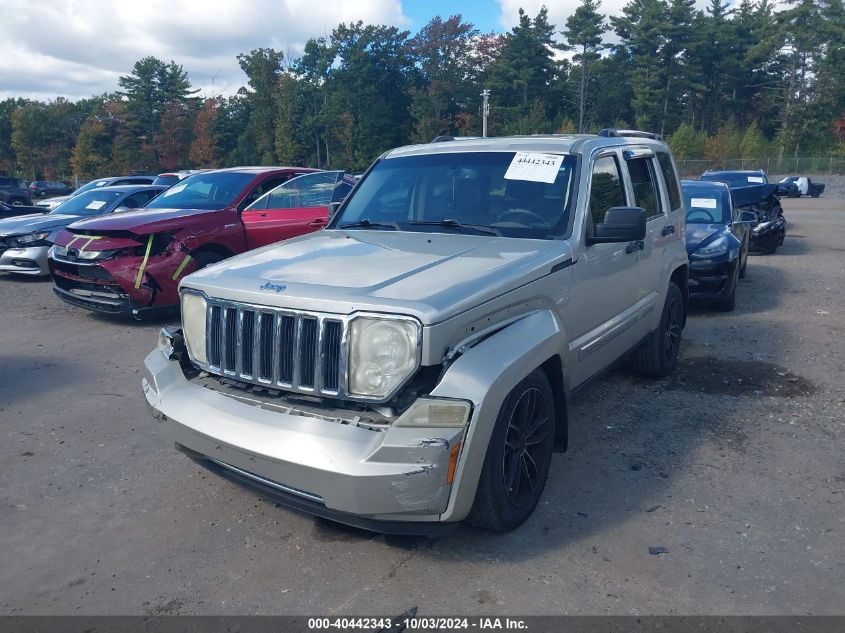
(410, 366)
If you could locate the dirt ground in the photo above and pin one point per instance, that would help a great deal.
(734, 465)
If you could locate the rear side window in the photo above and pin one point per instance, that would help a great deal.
(606, 190)
(672, 186)
(643, 181)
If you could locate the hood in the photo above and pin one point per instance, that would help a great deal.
(697, 235)
(34, 222)
(144, 221)
(432, 276)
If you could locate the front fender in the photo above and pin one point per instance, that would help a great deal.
(485, 374)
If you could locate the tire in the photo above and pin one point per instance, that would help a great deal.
(206, 258)
(513, 454)
(658, 354)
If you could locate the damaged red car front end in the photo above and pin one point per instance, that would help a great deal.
(131, 263)
(121, 273)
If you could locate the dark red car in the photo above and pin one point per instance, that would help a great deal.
(132, 262)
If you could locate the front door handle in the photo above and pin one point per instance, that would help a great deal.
(318, 223)
(669, 229)
(632, 247)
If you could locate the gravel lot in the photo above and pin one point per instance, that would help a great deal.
(735, 465)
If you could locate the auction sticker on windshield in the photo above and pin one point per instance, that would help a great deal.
(95, 204)
(703, 203)
(756, 179)
(534, 166)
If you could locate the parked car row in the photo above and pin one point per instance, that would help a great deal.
(729, 214)
(104, 258)
(411, 366)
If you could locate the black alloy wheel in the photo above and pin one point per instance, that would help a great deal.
(526, 443)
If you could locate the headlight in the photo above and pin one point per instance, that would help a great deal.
(193, 325)
(430, 412)
(91, 255)
(383, 353)
(719, 246)
(32, 239)
(761, 227)
(61, 251)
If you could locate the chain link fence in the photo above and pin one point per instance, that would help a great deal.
(819, 165)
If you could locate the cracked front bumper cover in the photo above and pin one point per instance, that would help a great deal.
(391, 480)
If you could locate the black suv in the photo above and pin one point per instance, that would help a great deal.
(14, 192)
(43, 188)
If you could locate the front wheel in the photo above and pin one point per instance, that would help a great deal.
(658, 354)
(518, 457)
(206, 258)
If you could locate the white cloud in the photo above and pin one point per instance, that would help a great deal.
(76, 48)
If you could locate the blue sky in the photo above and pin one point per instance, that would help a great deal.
(484, 14)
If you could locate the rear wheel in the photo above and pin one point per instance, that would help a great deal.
(658, 354)
(518, 457)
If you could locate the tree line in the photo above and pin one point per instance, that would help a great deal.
(742, 80)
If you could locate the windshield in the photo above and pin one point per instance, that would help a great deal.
(89, 203)
(210, 191)
(506, 192)
(705, 206)
(94, 184)
(736, 180)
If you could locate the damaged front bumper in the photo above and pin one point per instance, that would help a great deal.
(114, 286)
(391, 480)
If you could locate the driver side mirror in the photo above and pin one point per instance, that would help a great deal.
(123, 209)
(333, 207)
(621, 224)
(747, 217)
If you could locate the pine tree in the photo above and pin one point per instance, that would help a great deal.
(584, 30)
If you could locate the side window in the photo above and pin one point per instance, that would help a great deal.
(311, 190)
(671, 179)
(644, 183)
(606, 190)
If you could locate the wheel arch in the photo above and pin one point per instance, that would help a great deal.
(485, 375)
(217, 249)
(680, 277)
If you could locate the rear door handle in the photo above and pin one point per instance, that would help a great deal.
(669, 229)
(632, 247)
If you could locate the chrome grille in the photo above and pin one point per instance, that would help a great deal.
(300, 352)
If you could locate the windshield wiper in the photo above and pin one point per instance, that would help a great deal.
(369, 224)
(454, 224)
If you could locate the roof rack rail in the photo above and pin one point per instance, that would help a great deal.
(611, 131)
(442, 138)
